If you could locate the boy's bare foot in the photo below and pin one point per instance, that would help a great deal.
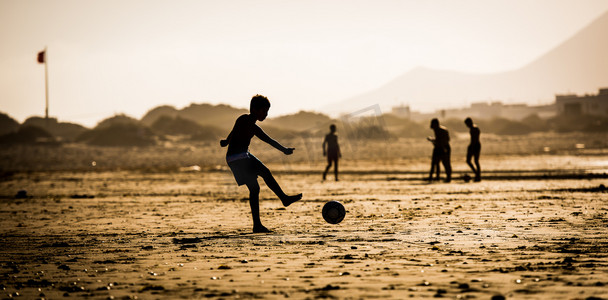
(288, 200)
(261, 229)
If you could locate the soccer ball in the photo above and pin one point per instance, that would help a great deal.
(333, 212)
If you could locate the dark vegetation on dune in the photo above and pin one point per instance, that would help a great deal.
(61, 130)
(27, 135)
(7, 124)
(121, 134)
(13, 132)
(178, 126)
(209, 123)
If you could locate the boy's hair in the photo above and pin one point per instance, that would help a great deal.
(258, 102)
(468, 121)
(434, 122)
(332, 127)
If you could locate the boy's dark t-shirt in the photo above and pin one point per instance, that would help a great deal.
(244, 129)
(333, 150)
(442, 137)
(475, 132)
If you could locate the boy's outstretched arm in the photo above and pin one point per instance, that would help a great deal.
(264, 137)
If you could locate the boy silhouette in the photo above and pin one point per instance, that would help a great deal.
(474, 148)
(245, 167)
(441, 150)
(331, 149)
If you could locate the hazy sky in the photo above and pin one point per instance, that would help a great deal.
(128, 56)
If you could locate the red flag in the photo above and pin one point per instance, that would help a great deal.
(41, 57)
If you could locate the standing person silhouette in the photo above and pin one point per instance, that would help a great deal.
(331, 149)
(474, 148)
(441, 150)
(245, 167)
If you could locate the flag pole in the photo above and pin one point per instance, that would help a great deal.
(46, 87)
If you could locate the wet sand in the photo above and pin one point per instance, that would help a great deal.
(155, 235)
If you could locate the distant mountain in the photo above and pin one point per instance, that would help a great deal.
(220, 116)
(578, 65)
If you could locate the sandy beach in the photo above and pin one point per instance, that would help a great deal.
(187, 234)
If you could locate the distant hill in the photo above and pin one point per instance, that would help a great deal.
(178, 126)
(220, 119)
(209, 133)
(119, 119)
(301, 121)
(119, 134)
(175, 126)
(118, 130)
(7, 124)
(62, 130)
(220, 116)
(578, 65)
(27, 135)
(156, 113)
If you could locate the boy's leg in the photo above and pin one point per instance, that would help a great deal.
(478, 173)
(437, 157)
(437, 170)
(433, 158)
(327, 168)
(336, 169)
(254, 203)
(431, 172)
(448, 168)
(272, 183)
(469, 156)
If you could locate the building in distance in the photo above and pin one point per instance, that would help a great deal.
(594, 104)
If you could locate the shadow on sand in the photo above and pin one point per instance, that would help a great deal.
(196, 240)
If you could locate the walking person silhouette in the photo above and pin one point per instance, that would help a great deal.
(245, 167)
(474, 148)
(331, 149)
(441, 150)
